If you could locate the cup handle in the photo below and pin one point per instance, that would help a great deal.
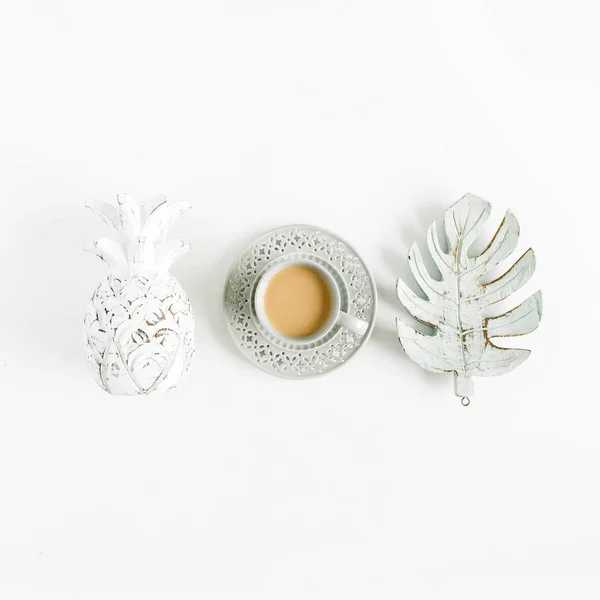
(352, 323)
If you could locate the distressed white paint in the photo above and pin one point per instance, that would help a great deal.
(139, 325)
(454, 306)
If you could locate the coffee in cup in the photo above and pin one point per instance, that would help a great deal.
(299, 300)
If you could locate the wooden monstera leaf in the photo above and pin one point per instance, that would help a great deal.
(462, 341)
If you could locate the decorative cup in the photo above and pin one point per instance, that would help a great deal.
(337, 317)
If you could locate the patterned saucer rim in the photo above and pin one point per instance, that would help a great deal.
(256, 329)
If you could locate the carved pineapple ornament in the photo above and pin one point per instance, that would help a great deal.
(139, 324)
(457, 304)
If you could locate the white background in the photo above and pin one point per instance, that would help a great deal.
(367, 118)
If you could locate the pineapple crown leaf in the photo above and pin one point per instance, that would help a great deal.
(151, 205)
(107, 212)
(109, 251)
(162, 218)
(141, 225)
(130, 218)
(151, 220)
(168, 252)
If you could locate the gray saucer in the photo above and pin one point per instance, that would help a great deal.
(278, 357)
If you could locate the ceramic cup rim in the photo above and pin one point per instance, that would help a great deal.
(334, 290)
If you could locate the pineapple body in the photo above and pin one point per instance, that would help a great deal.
(139, 325)
(139, 333)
